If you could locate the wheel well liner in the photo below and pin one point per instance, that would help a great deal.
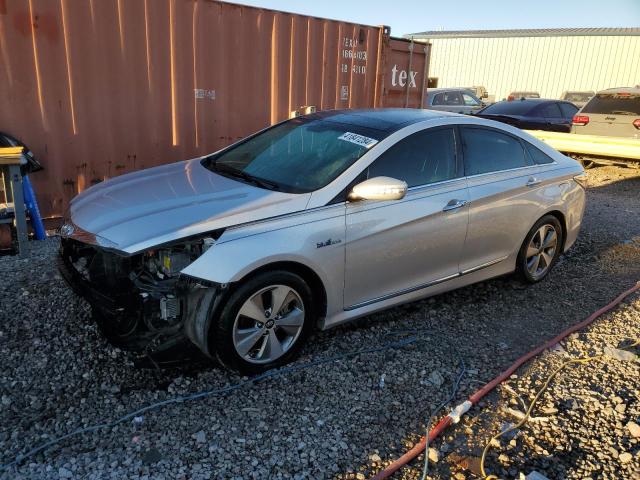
(563, 223)
(307, 274)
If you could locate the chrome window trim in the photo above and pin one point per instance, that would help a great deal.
(434, 184)
(497, 172)
(415, 195)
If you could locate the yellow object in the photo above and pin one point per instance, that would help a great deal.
(593, 145)
(10, 155)
(10, 151)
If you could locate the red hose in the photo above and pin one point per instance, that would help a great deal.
(447, 420)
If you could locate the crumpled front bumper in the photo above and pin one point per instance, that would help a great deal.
(130, 303)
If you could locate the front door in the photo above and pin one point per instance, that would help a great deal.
(394, 247)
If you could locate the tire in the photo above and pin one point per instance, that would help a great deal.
(249, 343)
(534, 267)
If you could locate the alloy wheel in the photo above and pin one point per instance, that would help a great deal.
(541, 250)
(268, 324)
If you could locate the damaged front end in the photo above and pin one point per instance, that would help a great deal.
(141, 302)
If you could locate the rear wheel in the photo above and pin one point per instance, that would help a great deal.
(540, 249)
(264, 323)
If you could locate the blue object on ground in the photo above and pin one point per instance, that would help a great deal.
(32, 208)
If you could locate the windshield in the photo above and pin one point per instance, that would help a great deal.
(517, 107)
(614, 104)
(298, 156)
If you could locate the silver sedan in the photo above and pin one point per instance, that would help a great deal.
(313, 222)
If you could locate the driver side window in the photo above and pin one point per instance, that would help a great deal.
(428, 156)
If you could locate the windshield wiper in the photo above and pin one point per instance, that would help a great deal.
(234, 172)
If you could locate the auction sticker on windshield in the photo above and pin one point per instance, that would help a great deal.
(358, 139)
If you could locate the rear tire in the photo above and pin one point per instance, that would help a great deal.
(264, 322)
(540, 250)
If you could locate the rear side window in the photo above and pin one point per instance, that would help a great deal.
(568, 110)
(549, 110)
(490, 151)
(614, 104)
(537, 155)
(422, 158)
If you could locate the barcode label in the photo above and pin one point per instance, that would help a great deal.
(358, 139)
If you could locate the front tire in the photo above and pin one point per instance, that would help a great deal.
(264, 322)
(540, 249)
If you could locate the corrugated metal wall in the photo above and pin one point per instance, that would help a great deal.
(97, 88)
(549, 65)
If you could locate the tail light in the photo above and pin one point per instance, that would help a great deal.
(510, 98)
(636, 123)
(580, 120)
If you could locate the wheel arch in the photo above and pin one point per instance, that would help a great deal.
(563, 223)
(305, 272)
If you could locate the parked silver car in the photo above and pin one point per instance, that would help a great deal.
(455, 100)
(314, 222)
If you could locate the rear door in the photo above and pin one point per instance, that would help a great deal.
(555, 121)
(569, 111)
(610, 114)
(503, 188)
(394, 247)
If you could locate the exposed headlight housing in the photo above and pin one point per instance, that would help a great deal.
(170, 260)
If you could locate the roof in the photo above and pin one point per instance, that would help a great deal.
(532, 101)
(526, 32)
(634, 90)
(450, 89)
(384, 119)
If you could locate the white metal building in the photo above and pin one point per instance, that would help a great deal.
(548, 61)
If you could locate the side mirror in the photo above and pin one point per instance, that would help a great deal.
(379, 188)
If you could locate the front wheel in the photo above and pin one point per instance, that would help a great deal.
(264, 323)
(540, 249)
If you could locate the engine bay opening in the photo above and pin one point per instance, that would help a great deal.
(138, 301)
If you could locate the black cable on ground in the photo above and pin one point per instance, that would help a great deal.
(209, 393)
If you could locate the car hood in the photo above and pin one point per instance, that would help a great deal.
(140, 210)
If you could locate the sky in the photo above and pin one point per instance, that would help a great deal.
(411, 16)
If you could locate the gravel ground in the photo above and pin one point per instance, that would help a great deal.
(343, 419)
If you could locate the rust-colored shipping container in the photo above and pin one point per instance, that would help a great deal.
(97, 88)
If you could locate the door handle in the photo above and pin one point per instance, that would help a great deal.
(533, 181)
(454, 204)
